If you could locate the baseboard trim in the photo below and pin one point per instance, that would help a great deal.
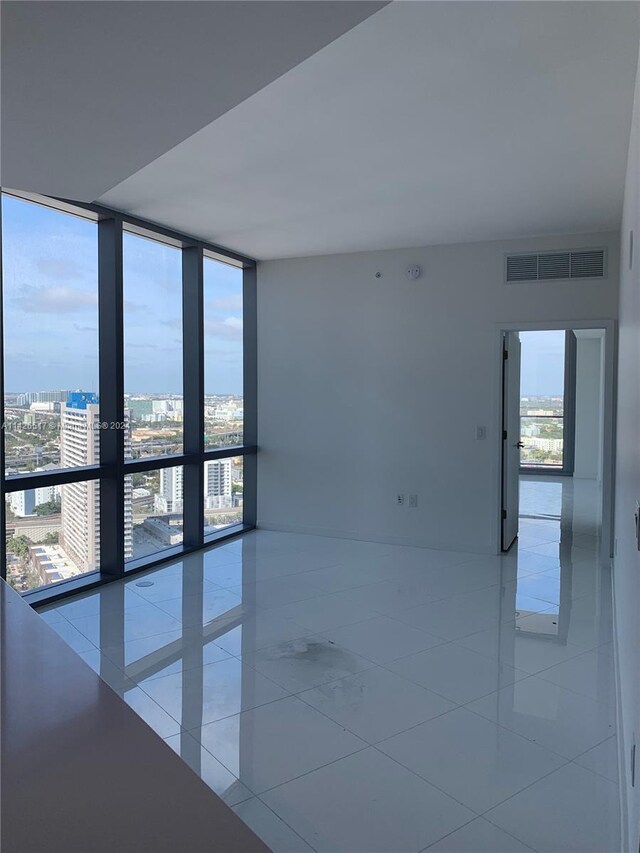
(364, 536)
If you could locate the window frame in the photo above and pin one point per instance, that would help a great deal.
(113, 467)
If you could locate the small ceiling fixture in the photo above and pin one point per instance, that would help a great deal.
(413, 272)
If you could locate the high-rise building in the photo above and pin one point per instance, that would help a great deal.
(169, 498)
(217, 484)
(80, 502)
(217, 487)
(42, 397)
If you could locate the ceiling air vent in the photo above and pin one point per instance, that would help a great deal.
(522, 268)
(588, 264)
(556, 266)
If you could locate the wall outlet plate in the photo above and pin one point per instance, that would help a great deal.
(413, 501)
(399, 500)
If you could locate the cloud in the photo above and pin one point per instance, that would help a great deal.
(229, 329)
(54, 300)
(232, 302)
(59, 268)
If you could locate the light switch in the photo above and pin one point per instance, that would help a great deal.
(481, 433)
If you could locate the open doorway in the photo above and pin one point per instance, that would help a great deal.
(553, 441)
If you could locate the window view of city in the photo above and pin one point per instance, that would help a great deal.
(542, 399)
(52, 400)
(152, 282)
(223, 362)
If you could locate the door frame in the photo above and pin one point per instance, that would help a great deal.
(610, 327)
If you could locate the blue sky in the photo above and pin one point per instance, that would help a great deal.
(542, 372)
(50, 269)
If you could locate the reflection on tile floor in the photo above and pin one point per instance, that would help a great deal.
(353, 696)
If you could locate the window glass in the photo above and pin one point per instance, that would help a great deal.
(223, 362)
(50, 283)
(152, 273)
(223, 493)
(53, 534)
(542, 399)
(152, 512)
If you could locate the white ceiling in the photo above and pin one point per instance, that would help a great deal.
(430, 122)
(92, 92)
(297, 128)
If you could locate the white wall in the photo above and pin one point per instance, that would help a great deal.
(589, 402)
(627, 560)
(372, 386)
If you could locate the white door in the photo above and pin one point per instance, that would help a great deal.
(511, 443)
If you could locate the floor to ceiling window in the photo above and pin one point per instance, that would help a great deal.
(128, 371)
(546, 387)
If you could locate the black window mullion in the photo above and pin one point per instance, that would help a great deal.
(3, 506)
(250, 392)
(569, 403)
(193, 390)
(111, 372)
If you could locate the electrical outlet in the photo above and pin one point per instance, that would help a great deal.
(399, 500)
(481, 433)
(413, 501)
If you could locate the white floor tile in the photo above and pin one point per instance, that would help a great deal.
(602, 759)
(166, 587)
(590, 674)
(212, 773)
(366, 803)
(195, 611)
(114, 597)
(107, 670)
(288, 738)
(458, 674)
(306, 662)
(277, 591)
(479, 836)
(381, 644)
(376, 704)
(507, 643)
(382, 639)
(257, 631)
(327, 611)
(218, 690)
(347, 576)
(107, 629)
(72, 636)
(153, 715)
(267, 826)
(569, 810)
(458, 615)
(549, 715)
(470, 758)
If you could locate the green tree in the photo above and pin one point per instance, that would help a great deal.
(48, 508)
(18, 545)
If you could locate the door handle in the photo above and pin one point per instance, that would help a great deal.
(519, 444)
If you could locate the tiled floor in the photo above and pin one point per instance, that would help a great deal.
(352, 696)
